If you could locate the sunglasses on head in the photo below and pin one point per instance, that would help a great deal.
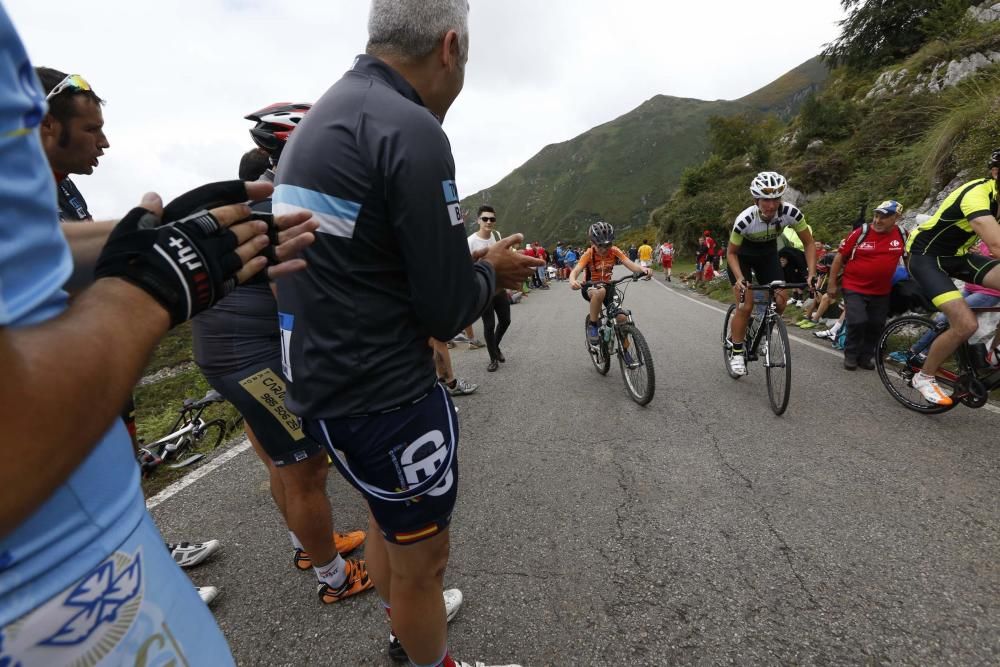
(73, 82)
(770, 191)
(488, 219)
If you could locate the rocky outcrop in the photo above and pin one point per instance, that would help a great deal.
(918, 214)
(985, 13)
(951, 74)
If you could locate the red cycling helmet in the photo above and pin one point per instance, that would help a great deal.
(274, 124)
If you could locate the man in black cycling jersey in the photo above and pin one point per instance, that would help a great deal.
(391, 269)
(753, 248)
(72, 133)
(939, 251)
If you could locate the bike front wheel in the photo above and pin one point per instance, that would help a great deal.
(900, 355)
(726, 337)
(636, 364)
(778, 364)
(599, 353)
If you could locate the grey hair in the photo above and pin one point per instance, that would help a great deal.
(411, 29)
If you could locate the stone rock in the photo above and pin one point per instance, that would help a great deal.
(815, 144)
(917, 215)
(985, 13)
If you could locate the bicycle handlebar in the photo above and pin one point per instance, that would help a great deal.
(635, 277)
(772, 286)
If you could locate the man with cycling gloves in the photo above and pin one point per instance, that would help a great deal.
(753, 249)
(237, 347)
(85, 578)
(939, 251)
(389, 270)
(600, 260)
(72, 135)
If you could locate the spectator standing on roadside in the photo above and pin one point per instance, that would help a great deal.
(666, 251)
(869, 258)
(645, 254)
(633, 252)
(496, 317)
(72, 133)
(390, 269)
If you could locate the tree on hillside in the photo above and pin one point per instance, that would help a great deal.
(735, 136)
(878, 32)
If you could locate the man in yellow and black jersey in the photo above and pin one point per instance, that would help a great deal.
(939, 251)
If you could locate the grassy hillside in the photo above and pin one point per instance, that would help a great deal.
(844, 152)
(620, 171)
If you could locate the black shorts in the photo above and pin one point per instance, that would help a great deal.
(258, 392)
(404, 461)
(759, 269)
(934, 274)
(609, 295)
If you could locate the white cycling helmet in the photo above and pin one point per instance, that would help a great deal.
(768, 185)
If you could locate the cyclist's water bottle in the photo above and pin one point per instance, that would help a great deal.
(606, 334)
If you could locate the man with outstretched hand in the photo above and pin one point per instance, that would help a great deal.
(84, 574)
(390, 269)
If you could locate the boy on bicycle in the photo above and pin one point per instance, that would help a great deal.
(600, 259)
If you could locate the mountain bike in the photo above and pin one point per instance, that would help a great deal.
(189, 432)
(619, 336)
(767, 337)
(902, 349)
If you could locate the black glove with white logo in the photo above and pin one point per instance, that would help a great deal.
(186, 265)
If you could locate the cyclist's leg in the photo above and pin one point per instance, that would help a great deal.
(442, 360)
(768, 269)
(934, 277)
(595, 295)
(418, 614)
(738, 323)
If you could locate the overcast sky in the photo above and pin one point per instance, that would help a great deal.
(179, 75)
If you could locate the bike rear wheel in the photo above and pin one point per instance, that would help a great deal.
(209, 436)
(636, 364)
(726, 352)
(900, 354)
(599, 353)
(778, 364)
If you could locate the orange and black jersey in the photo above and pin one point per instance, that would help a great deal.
(599, 267)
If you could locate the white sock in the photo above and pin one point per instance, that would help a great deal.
(836, 327)
(295, 541)
(333, 573)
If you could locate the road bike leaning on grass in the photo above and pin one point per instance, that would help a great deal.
(766, 339)
(619, 336)
(901, 351)
(189, 432)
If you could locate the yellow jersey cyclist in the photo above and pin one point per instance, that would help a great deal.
(939, 251)
(753, 248)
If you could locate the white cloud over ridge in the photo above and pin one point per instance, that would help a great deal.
(179, 76)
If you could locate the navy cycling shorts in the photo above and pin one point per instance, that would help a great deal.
(394, 453)
(258, 393)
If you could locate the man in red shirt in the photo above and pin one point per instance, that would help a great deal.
(869, 257)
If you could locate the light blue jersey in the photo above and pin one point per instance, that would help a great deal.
(87, 576)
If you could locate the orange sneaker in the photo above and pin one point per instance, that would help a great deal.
(344, 542)
(357, 581)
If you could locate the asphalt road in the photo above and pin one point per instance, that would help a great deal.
(700, 529)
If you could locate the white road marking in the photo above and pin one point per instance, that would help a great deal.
(189, 479)
(807, 343)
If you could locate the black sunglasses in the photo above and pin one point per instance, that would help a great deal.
(486, 219)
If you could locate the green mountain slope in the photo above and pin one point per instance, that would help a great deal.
(620, 171)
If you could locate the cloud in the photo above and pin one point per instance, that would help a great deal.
(179, 76)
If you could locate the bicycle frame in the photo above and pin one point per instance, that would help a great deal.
(756, 333)
(188, 421)
(968, 372)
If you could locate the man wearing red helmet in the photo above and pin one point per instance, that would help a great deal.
(237, 347)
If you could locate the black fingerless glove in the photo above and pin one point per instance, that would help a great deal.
(187, 265)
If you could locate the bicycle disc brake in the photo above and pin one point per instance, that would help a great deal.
(976, 395)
